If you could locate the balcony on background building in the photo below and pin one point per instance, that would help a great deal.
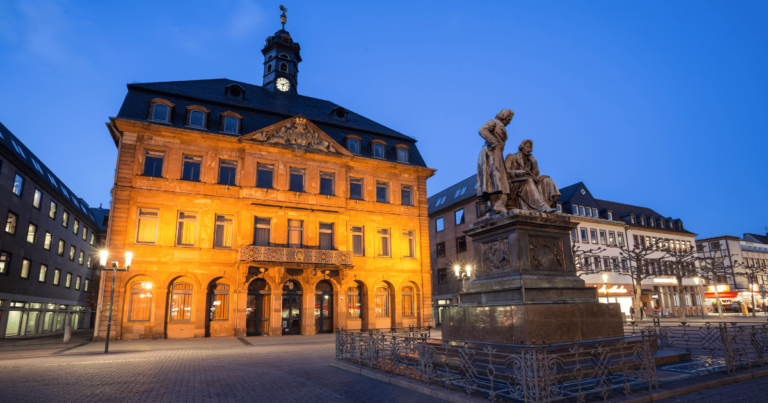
(286, 253)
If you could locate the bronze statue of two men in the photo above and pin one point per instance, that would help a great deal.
(513, 182)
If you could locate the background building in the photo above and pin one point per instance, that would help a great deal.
(602, 225)
(253, 210)
(47, 246)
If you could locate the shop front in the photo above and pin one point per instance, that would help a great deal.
(734, 301)
(621, 294)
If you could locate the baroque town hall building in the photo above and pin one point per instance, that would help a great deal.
(253, 210)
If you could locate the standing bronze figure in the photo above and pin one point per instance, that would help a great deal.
(492, 182)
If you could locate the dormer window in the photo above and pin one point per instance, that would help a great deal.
(378, 150)
(161, 110)
(353, 145)
(651, 221)
(230, 122)
(581, 210)
(197, 116)
(642, 220)
(236, 91)
(402, 154)
(574, 209)
(632, 219)
(609, 215)
(661, 223)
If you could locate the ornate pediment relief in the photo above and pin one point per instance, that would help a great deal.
(298, 133)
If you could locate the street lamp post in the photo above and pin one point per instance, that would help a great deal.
(103, 260)
(462, 273)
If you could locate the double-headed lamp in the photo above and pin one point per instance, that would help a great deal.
(469, 270)
(103, 255)
(456, 269)
(696, 280)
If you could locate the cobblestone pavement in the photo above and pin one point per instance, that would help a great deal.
(755, 390)
(275, 369)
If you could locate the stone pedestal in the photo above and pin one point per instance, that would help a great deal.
(526, 288)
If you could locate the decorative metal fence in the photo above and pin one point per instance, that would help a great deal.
(529, 373)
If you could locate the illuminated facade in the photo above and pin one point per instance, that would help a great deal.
(253, 210)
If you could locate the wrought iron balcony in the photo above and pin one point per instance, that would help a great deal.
(293, 254)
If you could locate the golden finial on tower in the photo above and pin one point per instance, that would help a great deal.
(283, 18)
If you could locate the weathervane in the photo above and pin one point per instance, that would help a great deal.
(283, 18)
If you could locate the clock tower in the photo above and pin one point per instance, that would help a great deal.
(281, 61)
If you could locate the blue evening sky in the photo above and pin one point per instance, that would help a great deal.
(655, 103)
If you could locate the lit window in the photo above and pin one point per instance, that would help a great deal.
(81, 258)
(25, 265)
(186, 230)
(409, 244)
(5, 262)
(408, 306)
(612, 238)
(10, 223)
(353, 145)
(37, 200)
(378, 150)
(72, 253)
(32, 234)
(68, 281)
(191, 168)
(93, 238)
(358, 242)
(326, 183)
(18, 185)
(222, 237)
(296, 180)
(153, 163)
(227, 172)
(85, 233)
(87, 284)
(181, 302)
(76, 226)
(406, 195)
(48, 241)
(382, 302)
(219, 302)
(382, 192)
(52, 210)
(146, 231)
(78, 280)
(402, 154)
(60, 250)
(439, 224)
(356, 188)
(265, 175)
(354, 302)
(88, 264)
(603, 237)
(197, 119)
(459, 216)
(43, 273)
(56, 277)
(160, 112)
(261, 231)
(326, 236)
(620, 238)
(383, 244)
(295, 233)
(231, 124)
(593, 234)
(141, 301)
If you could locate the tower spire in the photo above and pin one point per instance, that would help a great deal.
(283, 18)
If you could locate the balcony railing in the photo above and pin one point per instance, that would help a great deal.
(285, 253)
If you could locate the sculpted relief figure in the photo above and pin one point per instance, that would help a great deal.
(492, 181)
(528, 189)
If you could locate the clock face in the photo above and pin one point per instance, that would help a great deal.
(283, 84)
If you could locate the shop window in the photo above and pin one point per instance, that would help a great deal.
(408, 306)
(141, 301)
(354, 299)
(181, 302)
(219, 302)
(381, 302)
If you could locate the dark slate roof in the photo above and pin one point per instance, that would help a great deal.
(756, 238)
(471, 192)
(99, 214)
(11, 142)
(260, 108)
(567, 192)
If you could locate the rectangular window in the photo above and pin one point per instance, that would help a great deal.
(141, 302)
(11, 222)
(56, 277)
(88, 264)
(25, 265)
(68, 281)
(381, 302)
(93, 238)
(356, 188)
(48, 241)
(146, 231)
(18, 185)
(607, 263)
(52, 210)
(295, 233)
(76, 226)
(382, 192)
(358, 241)
(440, 249)
(37, 199)
(153, 163)
(43, 273)
(353, 301)
(86, 285)
(81, 258)
(581, 210)
(65, 219)
(611, 238)
(190, 170)
(459, 216)
(222, 237)
(265, 176)
(78, 280)
(461, 244)
(593, 234)
(227, 172)
(439, 224)
(181, 302)
(72, 253)
(326, 236)
(296, 180)
(60, 250)
(409, 244)
(186, 229)
(442, 276)
(406, 195)
(220, 302)
(594, 213)
(575, 236)
(327, 180)
(584, 237)
(383, 244)
(408, 309)
(32, 233)
(589, 212)
(85, 233)
(261, 231)
(610, 216)
(620, 238)
(603, 238)
(597, 263)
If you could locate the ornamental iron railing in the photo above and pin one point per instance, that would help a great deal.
(528, 373)
(252, 253)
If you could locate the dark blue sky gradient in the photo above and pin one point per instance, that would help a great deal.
(655, 103)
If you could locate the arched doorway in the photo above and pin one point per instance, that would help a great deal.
(291, 310)
(324, 307)
(257, 308)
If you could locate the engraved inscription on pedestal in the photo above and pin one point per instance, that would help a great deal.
(496, 256)
(546, 253)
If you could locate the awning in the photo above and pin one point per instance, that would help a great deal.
(723, 295)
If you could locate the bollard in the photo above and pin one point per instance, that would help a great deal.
(67, 329)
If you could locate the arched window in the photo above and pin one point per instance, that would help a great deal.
(283, 56)
(354, 299)
(353, 145)
(270, 57)
(382, 302)
(402, 154)
(378, 150)
(181, 302)
(219, 302)
(140, 306)
(269, 67)
(408, 306)
(160, 112)
(283, 67)
(197, 118)
(231, 124)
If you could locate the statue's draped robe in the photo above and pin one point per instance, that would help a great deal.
(491, 173)
(535, 192)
